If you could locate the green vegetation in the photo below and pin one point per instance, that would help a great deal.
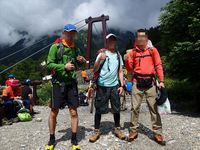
(183, 94)
(27, 69)
(44, 93)
(180, 40)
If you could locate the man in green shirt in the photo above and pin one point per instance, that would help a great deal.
(63, 60)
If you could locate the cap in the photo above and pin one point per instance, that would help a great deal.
(70, 27)
(11, 76)
(27, 81)
(111, 35)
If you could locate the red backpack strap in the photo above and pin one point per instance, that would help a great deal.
(151, 52)
(134, 51)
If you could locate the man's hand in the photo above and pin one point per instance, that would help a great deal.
(17, 98)
(103, 56)
(126, 55)
(81, 59)
(69, 66)
(120, 90)
(161, 84)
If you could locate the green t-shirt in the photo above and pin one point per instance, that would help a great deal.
(53, 63)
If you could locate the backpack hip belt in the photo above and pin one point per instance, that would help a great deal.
(144, 81)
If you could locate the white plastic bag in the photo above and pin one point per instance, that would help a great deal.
(165, 108)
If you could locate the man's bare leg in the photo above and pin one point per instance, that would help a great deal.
(52, 125)
(74, 124)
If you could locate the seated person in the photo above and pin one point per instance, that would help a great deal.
(11, 93)
(10, 78)
(27, 95)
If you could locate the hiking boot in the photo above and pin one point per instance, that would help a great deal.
(5, 121)
(95, 136)
(132, 136)
(159, 139)
(51, 145)
(76, 147)
(118, 133)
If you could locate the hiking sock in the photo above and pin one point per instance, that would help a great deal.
(117, 119)
(52, 139)
(74, 139)
(97, 120)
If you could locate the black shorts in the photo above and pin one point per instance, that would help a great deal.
(64, 95)
(103, 95)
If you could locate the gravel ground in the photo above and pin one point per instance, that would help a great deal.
(181, 132)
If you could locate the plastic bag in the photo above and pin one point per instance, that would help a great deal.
(24, 115)
(165, 108)
(128, 86)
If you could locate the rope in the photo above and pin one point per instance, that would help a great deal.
(35, 52)
(24, 59)
(81, 27)
(22, 49)
(33, 44)
(79, 22)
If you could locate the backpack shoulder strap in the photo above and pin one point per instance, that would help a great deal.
(119, 60)
(151, 52)
(60, 51)
(102, 50)
(101, 66)
(134, 51)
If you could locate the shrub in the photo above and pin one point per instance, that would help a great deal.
(183, 94)
(44, 93)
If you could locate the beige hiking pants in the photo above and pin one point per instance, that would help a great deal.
(150, 97)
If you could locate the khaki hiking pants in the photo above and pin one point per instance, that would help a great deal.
(150, 97)
(123, 100)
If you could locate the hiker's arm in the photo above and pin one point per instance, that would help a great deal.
(121, 80)
(31, 99)
(96, 65)
(17, 98)
(98, 61)
(81, 59)
(4, 94)
(121, 73)
(129, 62)
(30, 95)
(51, 64)
(158, 65)
(121, 77)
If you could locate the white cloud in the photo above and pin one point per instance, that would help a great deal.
(41, 17)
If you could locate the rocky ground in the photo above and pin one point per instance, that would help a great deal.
(182, 132)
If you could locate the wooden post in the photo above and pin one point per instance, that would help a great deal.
(90, 21)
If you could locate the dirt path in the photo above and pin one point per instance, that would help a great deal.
(181, 132)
